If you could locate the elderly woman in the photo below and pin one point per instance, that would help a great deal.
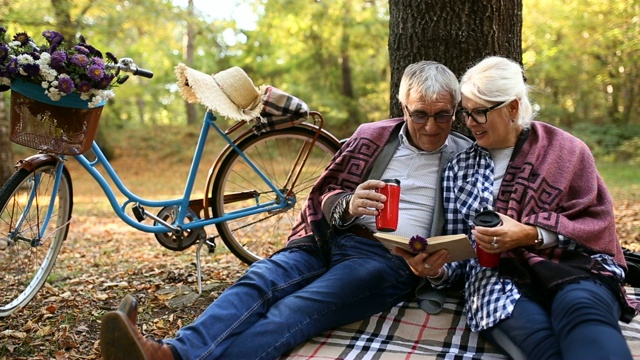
(557, 292)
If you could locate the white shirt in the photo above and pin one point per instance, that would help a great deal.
(501, 159)
(417, 171)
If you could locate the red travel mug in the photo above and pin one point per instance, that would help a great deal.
(387, 219)
(487, 218)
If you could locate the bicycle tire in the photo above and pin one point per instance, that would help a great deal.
(26, 260)
(254, 237)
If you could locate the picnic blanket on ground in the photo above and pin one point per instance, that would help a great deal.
(407, 332)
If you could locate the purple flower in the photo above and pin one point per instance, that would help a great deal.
(93, 51)
(105, 81)
(65, 85)
(57, 59)
(12, 66)
(53, 37)
(22, 37)
(80, 60)
(4, 52)
(84, 86)
(81, 49)
(32, 70)
(418, 244)
(77, 67)
(95, 72)
(98, 61)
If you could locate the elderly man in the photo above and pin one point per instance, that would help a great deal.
(332, 271)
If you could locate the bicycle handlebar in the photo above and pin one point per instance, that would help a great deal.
(127, 65)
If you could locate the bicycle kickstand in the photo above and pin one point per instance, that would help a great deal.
(211, 245)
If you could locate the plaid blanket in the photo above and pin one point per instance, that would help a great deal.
(407, 332)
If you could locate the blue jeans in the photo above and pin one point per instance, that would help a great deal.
(582, 324)
(296, 294)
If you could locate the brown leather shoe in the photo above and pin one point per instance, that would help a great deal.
(120, 340)
(129, 307)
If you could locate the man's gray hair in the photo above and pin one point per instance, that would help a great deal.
(428, 79)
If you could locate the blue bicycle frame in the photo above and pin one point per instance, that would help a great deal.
(183, 202)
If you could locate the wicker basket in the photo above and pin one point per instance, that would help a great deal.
(52, 128)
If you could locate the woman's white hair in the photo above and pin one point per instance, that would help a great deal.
(497, 79)
(428, 79)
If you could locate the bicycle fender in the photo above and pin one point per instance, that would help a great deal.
(33, 161)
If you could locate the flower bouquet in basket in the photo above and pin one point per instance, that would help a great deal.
(58, 90)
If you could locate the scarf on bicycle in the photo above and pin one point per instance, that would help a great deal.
(551, 182)
(350, 166)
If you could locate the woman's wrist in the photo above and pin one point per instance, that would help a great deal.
(437, 276)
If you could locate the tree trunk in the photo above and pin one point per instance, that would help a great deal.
(6, 154)
(455, 33)
(189, 52)
(345, 65)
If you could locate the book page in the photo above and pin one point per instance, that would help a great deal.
(458, 246)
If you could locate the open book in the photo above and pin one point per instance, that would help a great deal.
(459, 246)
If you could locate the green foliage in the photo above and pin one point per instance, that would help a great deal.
(581, 56)
(610, 141)
(332, 54)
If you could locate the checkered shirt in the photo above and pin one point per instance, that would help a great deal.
(489, 298)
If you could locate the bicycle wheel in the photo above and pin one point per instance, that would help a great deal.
(26, 258)
(258, 236)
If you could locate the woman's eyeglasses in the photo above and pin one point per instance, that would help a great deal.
(480, 115)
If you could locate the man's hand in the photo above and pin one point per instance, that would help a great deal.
(425, 264)
(365, 200)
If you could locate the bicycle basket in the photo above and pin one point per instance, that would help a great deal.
(52, 128)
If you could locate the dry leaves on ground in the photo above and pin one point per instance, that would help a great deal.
(104, 259)
(91, 277)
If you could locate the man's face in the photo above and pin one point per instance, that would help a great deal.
(431, 135)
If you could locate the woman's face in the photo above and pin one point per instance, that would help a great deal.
(500, 129)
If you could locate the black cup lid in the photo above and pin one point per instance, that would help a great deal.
(391, 181)
(487, 218)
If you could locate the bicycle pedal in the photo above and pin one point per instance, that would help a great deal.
(138, 212)
(211, 244)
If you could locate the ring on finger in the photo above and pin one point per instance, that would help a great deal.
(495, 246)
(427, 266)
(495, 238)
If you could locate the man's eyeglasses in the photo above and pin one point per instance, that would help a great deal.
(423, 118)
(480, 115)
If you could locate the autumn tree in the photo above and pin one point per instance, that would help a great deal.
(454, 33)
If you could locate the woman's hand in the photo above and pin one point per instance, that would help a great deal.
(425, 264)
(365, 200)
(510, 235)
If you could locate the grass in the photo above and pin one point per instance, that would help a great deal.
(622, 179)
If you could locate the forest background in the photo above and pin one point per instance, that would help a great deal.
(581, 57)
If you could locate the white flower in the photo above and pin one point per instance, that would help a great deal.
(53, 93)
(25, 59)
(48, 73)
(45, 58)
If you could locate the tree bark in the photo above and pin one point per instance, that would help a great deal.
(6, 154)
(455, 33)
(192, 115)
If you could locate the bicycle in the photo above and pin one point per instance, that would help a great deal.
(253, 194)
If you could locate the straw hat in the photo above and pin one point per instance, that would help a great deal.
(229, 93)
